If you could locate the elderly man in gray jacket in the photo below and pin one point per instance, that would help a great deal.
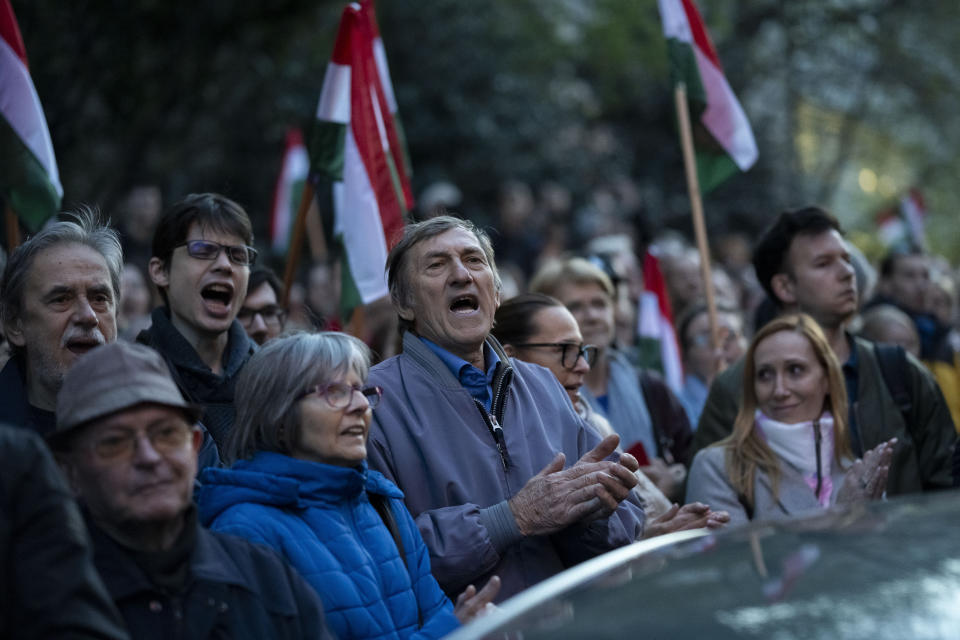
(500, 473)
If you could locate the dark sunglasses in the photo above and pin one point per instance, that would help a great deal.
(240, 255)
(569, 352)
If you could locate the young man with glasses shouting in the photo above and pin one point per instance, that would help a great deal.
(201, 264)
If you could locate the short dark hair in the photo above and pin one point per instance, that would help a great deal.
(513, 322)
(211, 211)
(770, 254)
(889, 263)
(261, 275)
(414, 234)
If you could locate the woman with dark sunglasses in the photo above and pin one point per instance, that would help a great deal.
(300, 484)
(537, 328)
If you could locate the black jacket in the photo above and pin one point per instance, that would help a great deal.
(48, 586)
(14, 408)
(235, 590)
(196, 381)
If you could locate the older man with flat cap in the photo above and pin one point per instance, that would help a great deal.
(128, 443)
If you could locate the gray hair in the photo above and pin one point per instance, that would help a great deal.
(85, 229)
(398, 276)
(276, 377)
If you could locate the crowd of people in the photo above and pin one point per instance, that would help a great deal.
(224, 465)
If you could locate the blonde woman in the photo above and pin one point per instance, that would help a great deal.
(789, 452)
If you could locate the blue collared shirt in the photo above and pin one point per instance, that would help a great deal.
(478, 383)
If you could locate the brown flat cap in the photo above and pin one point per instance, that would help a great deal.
(114, 377)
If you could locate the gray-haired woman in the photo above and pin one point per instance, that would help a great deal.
(300, 484)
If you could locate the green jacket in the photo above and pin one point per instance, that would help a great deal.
(922, 457)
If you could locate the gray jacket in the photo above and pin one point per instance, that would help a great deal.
(709, 483)
(430, 438)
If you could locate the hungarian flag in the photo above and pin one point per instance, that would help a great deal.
(903, 227)
(655, 321)
(288, 190)
(29, 180)
(725, 144)
(356, 151)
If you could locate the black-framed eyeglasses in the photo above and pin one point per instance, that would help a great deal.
(339, 394)
(569, 352)
(239, 254)
(273, 316)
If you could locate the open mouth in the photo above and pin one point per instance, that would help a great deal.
(80, 346)
(354, 431)
(217, 297)
(465, 304)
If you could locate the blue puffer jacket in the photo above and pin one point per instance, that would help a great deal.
(318, 516)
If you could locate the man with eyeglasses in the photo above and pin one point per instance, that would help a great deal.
(700, 363)
(500, 473)
(261, 314)
(201, 264)
(128, 443)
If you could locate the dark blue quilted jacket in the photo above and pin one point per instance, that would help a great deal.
(318, 516)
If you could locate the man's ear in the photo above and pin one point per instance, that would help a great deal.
(159, 272)
(405, 312)
(198, 438)
(14, 332)
(784, 288)
(509, 350)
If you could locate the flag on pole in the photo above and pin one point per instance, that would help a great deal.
(727, 144)
(355, 150)
(655, 321)
(288, 190)
(903, 226)
(29, 180)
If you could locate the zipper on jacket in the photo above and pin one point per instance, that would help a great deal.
(817, 438)
(497, 432)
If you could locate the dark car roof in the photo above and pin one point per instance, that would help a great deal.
(883, 570)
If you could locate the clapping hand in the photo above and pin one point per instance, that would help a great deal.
(867, 478)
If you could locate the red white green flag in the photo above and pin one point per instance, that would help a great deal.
(29, 180)
(655, 321)
(903, 227)
(729, 146)
(356, 150)
(288, 190)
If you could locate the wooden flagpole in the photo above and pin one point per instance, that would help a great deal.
(296, 241)
(13, 229)
(696, 205)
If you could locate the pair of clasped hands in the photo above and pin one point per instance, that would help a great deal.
(592, 489)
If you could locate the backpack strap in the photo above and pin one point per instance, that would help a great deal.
(892, 360)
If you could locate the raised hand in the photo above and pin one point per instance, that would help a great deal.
(694, 515)
(867, 478)
(473, 604)
(555, 498)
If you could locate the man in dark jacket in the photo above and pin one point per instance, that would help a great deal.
(201, 264)
(48, 585)
(128, 442)
(479, 444)
(804, 265)
(58, 299)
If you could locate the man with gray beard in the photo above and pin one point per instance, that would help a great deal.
(58, 300)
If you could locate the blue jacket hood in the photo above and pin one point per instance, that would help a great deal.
(281, 481)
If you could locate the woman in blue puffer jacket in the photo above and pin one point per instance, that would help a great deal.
(300, 484)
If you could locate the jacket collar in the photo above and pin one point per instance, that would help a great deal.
(426, 358)
(169, 341)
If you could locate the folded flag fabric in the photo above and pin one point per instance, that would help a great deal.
(727, 144)
(355, 149)
(29, 180)
(288, 191)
